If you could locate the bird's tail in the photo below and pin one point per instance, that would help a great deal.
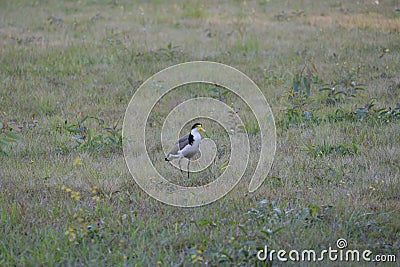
(170, 157)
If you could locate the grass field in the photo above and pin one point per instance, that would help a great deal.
(69, 69)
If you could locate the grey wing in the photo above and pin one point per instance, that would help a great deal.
(183, 141)
(180, 144)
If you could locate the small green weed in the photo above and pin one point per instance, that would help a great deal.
(250, 126)
(84, 227)
(346, 85)
(327, 149)
(170, 51)
(194, 10)
(370, 112)
(301, 87)
(6, 137)
(296, 116)
(88, 138)
(303, 82)
(339, 93)
(288, 16)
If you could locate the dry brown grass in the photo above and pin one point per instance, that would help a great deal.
(371, 21)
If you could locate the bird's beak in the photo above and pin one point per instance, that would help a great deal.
(201, 129)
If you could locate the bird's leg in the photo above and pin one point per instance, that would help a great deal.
(188, 168)
(179, 162)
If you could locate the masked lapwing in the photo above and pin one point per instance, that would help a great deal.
(187, 146)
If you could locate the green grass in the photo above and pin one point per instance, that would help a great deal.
(66, 195)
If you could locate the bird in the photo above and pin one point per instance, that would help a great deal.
(187, 146)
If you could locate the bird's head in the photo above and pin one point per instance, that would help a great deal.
(199, 127)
